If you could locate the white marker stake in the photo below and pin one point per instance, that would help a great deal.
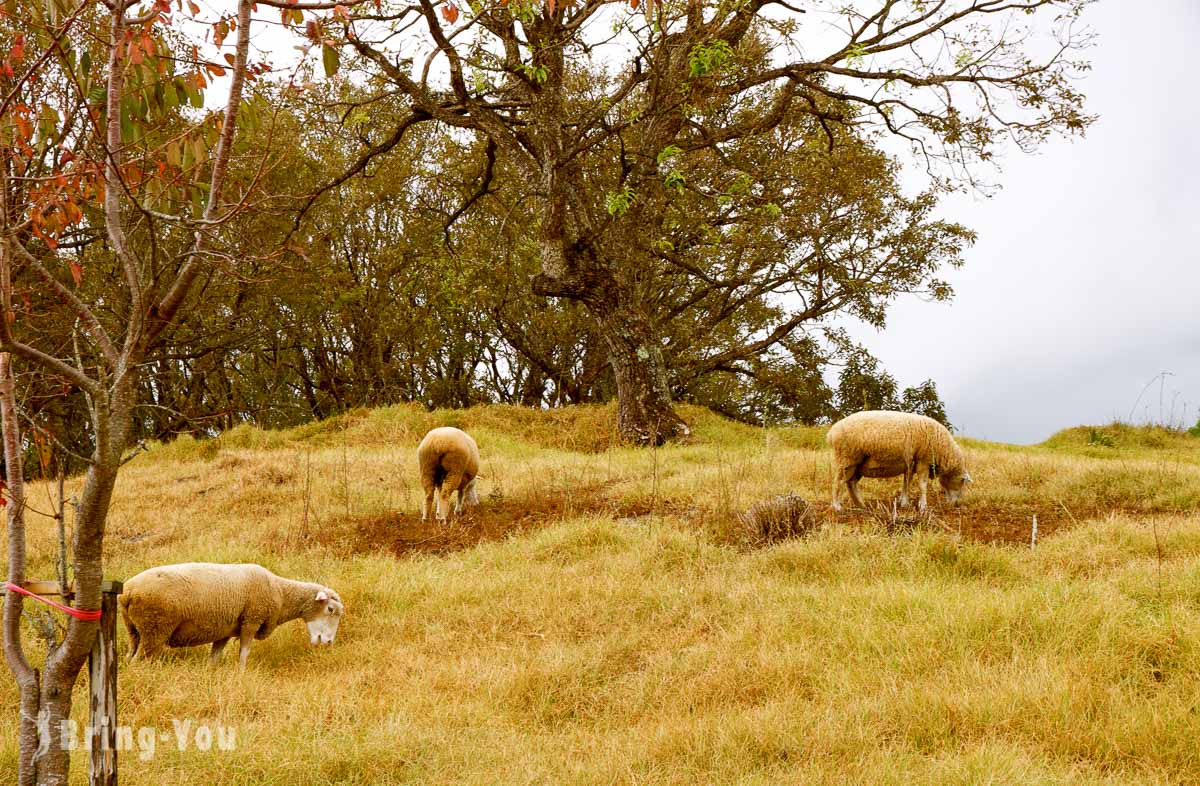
(1033, 533)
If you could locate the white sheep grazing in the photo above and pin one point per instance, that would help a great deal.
(884, 444)
(449, 461)
(197, 603)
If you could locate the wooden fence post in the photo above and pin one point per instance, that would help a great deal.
(102, 673)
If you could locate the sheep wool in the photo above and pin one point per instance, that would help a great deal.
(449, 462)
(885, 444)
(197, 603)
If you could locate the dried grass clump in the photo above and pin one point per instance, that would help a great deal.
(891, 518)
(780, 518)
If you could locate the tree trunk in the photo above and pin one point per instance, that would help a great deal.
(26, 676)
(645, 411)
(54, 759)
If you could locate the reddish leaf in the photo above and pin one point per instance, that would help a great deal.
(195, 9)
(550, 6)
(450, 12)
(76, 272)
(18, 47)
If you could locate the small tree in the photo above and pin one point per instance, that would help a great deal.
(104, 137)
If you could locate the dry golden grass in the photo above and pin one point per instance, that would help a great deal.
(598, 621)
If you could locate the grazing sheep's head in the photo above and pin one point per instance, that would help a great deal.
(322, 616)
(954, 484)
(471, 497)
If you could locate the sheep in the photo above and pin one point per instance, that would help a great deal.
(449, 461)
(884, 444)
(196, 603)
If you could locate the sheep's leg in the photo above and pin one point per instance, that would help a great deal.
(922, 472)
(135, 638)
(214, 657)
(842, 475)
(427, 504)
(151, 642)
(836, 493)
(451, 482)
(908, 473)
(245, 637)
(852, 484)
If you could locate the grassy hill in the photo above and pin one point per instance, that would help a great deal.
(603, 618)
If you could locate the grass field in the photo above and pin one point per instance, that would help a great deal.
(604, 618)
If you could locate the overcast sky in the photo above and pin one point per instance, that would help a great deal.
(1085, 282)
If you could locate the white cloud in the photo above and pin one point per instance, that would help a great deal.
(1085, 281)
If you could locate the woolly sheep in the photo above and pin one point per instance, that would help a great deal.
(449, 461)
(197, 603)
(884, 444)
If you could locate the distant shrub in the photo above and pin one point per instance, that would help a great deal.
(1195, 430)
(1100, 439)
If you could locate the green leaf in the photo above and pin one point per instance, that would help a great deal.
(188, 155)
(330, 58)
(170, 98)
(709, 57)
(618, 202)
(855, 54)
(126, 122)
(667, 153)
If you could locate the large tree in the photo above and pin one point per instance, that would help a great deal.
(953, 79)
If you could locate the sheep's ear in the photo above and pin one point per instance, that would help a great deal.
(967, 478)
(322, 595)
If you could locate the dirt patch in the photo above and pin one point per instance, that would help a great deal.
(402, 533)
(980, 523)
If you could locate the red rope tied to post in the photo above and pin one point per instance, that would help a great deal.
(79, 614)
